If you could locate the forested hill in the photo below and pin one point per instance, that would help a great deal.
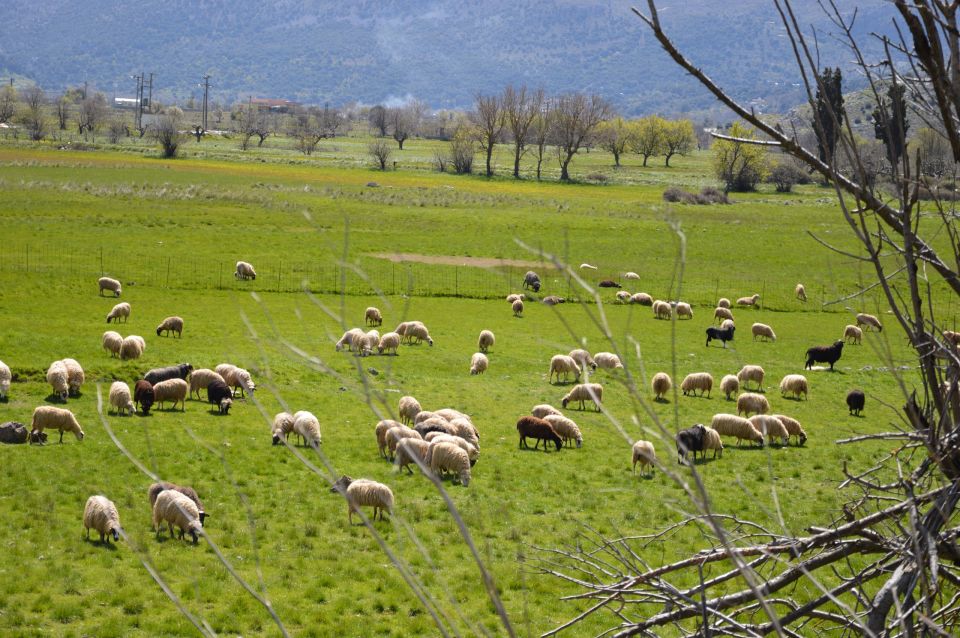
(439, 50)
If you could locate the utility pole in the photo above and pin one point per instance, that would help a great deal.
(206, 93)
(136, 113)
(150, 94)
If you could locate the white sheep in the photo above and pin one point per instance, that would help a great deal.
(226, 370)
(751, 373)
(380, 431)
(478, 363)
(853, 333)
(307, 427)
(448, 457)
(644, 454)
(723, 302)
(726, 324)
(58, 378)
(750, 402)
(623, 296)
(75, 376)
(800, 292)
(106, 283)
(566, 428)
(702, 381)
(470, 446)
(450, 414)
(795, 384)
(721, 313)
(120, 398)
(869, 321)
(711, 441)
(364, 493)
(408, 409)
(395, 434)
(372, 316)
(661, 384)
(47, 417)
(388, 342)
(793, 428)
(513, 297)
(351, 338)
(5, 378)
(282, 425)
(171, 324)
(201, 378)
(730, 386)
(565, 364)
(683, 309)
(736, 426)
(132, 347)
(121, 310)
(584, 392)
(771, 427)
(171, 390)
(586, 266)
(101, 514)
(764, 331)
(661, 310)
(630, 275)
(641, 298)
(583, 359)
(244, 271)
(174, 508)
(241, 380)
(748, 301)
(607, 361)
(517, 307)
(486, 340)
(408, 450)
(417, 333)
(112, 342)
(542, 410)
(369, 341)
(466, 430)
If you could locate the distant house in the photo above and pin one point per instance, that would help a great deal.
(128, 102)
(270, 104)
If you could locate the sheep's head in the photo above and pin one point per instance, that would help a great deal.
(342, 484)
(579, 441)
(536, 286)
(115, 534)
(159, 328)
(203, 517)
(557, 441)
(225, 404)
(79, 433)
(803, 439)
(276, 438)
(564, 402)
(430, 341)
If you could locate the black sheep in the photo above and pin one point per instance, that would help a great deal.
(609, 283)
(855, 401)
(531, 280)
(824, 354)
(220, 394)
(724, 335)
(143, 395)
(690, 440)
(536, 428)
(157, 375)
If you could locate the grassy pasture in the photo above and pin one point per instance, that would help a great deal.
(275, 520)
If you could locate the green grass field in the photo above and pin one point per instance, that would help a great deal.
(171, 230)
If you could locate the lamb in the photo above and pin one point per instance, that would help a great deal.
(419, 332)
(661, 384)
(771, 427)
(75, 376)
(863, 319)
(736, 426)
(101, 514)
(350, 339)
(171, 324)
(855, 401)
(408, 450)
(180, 371)
(143, 395)
(793, 428)
(307, 427)
(702, 381)
(364, 493)
(607, 361)
(565, 364)
(689, 440)
(241, 380)
(132, 347)
(118, 311)
(396, 434)
(448, 457)
(748, 301)
(478, 363)
(120, 398)
(711, 441)
(553, 300)
(800, 292)
(542, 410)
(609, 283)
(112, 342)
(486, 340)
(531, 280)
(171, 390)
(220, 395)
(539, 429)
(721, 313)
(584, 392)
(661, 310)
(372, 316)
(750, 402)
(388, 342)
(565, 428)
(408, 409)
(200, 379)
(723, 302)
(730, 386)
(106, 283)
(641, 298)
(283, 426)
(583, 359)
(154, 491)
(751, 373)
(795, 384)
(5, 378)
(683, 309)
(623, 296)
(764, 331)
(644, 454)
(244, 271)
(853, 333)
(58, 379)
(630, 275)
(824, 354)
(723, 334)
(517, 307)
(47, 417)
(174, 508)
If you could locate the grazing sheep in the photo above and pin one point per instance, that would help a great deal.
(200, 379)
(143, 396)
(408, 450)
(584, 392)
(539, 429)
(723, 334)
(171, 324)
(764, 331)
(711, 441)
(244, 271)
(661, 310)
(553, 300)
(607, 360)
(723, 302)
(118, 311)
(226, 371)
(450, 414)
(120, 398)
(132, 347)
(824, 354)
(689, 440)
(388, 342)
(174, 508)
(748, 301)
(242, 381)
(364, 493)
(154, 491)
(380, 431)
(951, 337)
(473, 451)
(583, 359)
(307, 427)
(58, 379)
(372, 316)
(478, 363)
(75, 376)
(369, 341)
(855, 334)
(101, 514)
(47, 417)
(855, 401)
(531, 280)
(644, 454)
(863, 319)
(702, 381)
(112, 342)
(180, 371)
(630, 275)
(721, 313)
(283, 426)
(609, 283)
(433, 424)
(683, 309)
(795, 384)
(736, 426)
(513, 297)
(565, 364)
(486, 340)
(448, 457)
(726, 324)
(5, 378)
(542, 410)
(395, 434)
(641, 298)
(465, 429)
(793, 428)
(106, 283)
(751, 373)
(350, 338)
(517, 308)
(771, 427)
(220, 395)
(661, 384)
(751, 403)
(565, 428)
(171, 390)
(417, 331)
(730, 386)
(408, 409)
(800, 292)
(622, 296)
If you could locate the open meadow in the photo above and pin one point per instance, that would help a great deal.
(171, 231)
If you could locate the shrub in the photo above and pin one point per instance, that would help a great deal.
(785, 175)
(709, 195)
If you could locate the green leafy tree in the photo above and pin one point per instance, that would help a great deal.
(739, 165)
(647, 137)
(828, 112)
(678, 139)
(613, 136)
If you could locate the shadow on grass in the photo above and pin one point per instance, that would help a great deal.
(105, 544)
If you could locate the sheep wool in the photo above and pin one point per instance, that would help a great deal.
(736, 426)
(132, 347)
(863, 319)
(5, 378)
(171, 324)
(513, 297)
(243, 381)
(748, 301)
(369, 341)
(107, 283)
(750, 402)
(307, 427)
(585, 392)
(726, 324)
(721, 313)
(723, 302)
(75, 376)
(565, 428)
(408, 409)
(486, 340)
(771, 427)
(47, 417)
(58, 379)
(408, 450)
(583, 359)
(702, 381)
(853, 334)
(607, 361)
(641, 298)
(800, 292)
(364, 493)
(450, 414)
(623, 296)
(120, 398)
(684, 310)
(111, 342)
(478, 363)
(751, 373)
(661, 384)
(418, 332)
(795, 384)
(351, 338)
(763, 331)
(155, 488)
(100, 514)
(563, 364)
(661, 310)
(517, 307)
(201, 378)
(389, 341)
(174, 390)
(282, 426)
(380, 431)
(449, 458)
(711, 441)
(174, 508)
(793, 428)
(244, 271)
(473, 452)
(372, 316)
(542, 410)
(644, 454)
(630, 275)
(226, 371)
(730, 386)
(120, 311)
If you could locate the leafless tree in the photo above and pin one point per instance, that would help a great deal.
(307, 130)
(116, 129)
(462, 150)
(520, 110)
(165, 129)
(380, 151)
(575, 120)
(401, 124)
(488, 122)
(331, 120)
(91, 114)
(378, 120)
(540, 130)
(32, 116)
(62, 109)
(8, 104)
(254, 122)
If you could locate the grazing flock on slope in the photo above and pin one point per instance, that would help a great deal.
(442, 442)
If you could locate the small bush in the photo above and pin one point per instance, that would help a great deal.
(709, 195)
(599, 178)
(785, 175)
